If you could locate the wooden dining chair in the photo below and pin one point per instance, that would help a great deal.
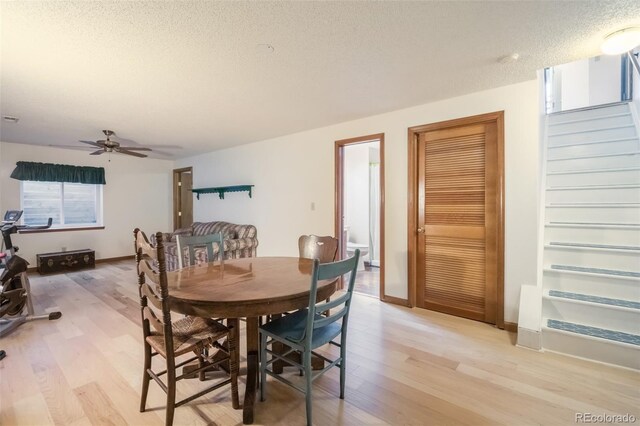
(173, 339)
(203, 241)
(306, 330)
(324, 249)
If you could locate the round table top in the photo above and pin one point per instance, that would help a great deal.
(246, 287)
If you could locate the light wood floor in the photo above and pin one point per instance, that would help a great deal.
(404, 367)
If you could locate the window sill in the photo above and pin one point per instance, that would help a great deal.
(83, 228)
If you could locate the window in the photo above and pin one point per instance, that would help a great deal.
(70, 205)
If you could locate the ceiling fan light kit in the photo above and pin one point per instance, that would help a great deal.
(110, 146)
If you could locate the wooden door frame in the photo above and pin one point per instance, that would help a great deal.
(416, 188)
(339, 196)
(176, 174)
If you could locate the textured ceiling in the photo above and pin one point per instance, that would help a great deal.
(192, 74)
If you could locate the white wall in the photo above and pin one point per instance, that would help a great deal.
(574, 84)
(137, 194)
(605, 79)
(356, 192)
(295, 172)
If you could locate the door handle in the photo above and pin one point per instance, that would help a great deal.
(420, 230)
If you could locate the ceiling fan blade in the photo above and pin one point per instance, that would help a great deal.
(135, 148)
(92, 143)
(98, 152)
(124, 151)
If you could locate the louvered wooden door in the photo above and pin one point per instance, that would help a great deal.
(458, 207)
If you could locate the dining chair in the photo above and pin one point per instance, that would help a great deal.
(205, 241)
(173, 339)
(324, 249)
(307, 329)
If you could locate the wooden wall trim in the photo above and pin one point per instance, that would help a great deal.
(511, 327)
(339, 196)
(396, 301)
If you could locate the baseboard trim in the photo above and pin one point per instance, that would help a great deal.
(396, 301)
(115, 259)
(106, 259)
(511, 327)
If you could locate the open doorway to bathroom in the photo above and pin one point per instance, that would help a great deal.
(360, 208)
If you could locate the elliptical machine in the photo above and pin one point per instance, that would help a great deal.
(16, 291)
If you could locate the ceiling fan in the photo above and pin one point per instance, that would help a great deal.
(109, 146)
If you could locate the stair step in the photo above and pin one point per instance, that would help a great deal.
(592, 205)
(598, 271)
(581, 157)
(585, 187)
(585, 171)
(633, 138)
(602, 117)
(618, 106)
(602, 333)
(593, 225)
(596, 129)
(592, 246)
(595, 299)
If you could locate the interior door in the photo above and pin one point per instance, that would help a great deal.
(182, 198)
(459, 219)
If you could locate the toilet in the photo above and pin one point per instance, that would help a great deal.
(364, 251)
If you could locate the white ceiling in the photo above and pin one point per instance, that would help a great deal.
(190, 73)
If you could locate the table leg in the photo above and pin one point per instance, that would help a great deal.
(252, 370)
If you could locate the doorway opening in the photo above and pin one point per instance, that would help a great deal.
(359, 221)
(182, 197)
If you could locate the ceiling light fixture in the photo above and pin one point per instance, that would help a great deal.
(10, 119)
(621, 41)
(509, 59)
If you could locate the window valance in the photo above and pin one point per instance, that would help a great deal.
(47, 172)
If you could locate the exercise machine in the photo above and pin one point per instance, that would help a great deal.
(16, 290)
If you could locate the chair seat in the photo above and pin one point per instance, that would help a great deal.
(189, 333)
(291, 328)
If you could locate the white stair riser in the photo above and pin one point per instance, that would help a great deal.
(594, 178)
(594, 136)
(621, 261)
(594, 195)
(588, 113)
(600, 316)
(593, 214)
(594, 149)
(616, 161)
(621, 237)
(596, 123)
(599, 350)
(614, 288)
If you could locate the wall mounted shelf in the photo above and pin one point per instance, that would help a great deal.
(221, 190)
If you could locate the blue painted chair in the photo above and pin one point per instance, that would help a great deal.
(193, 242)
(306, 330)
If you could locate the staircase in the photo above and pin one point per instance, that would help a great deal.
(591, 255)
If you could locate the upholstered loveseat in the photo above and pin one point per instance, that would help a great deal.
(239, 241)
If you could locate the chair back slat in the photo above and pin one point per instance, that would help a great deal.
(151, 296)
(142, 243)
(324, 249)
(323, 307)
(192, 242)
(326, 320)
(145, 268)
(150, 316)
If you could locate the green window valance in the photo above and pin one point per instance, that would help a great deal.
(47, 172)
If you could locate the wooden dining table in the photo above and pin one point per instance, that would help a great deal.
(245, 288)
